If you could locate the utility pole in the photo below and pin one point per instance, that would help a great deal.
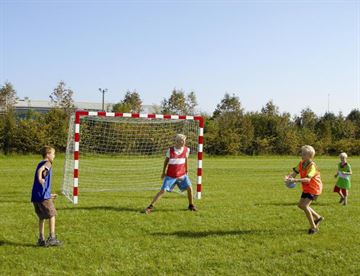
(103, 91)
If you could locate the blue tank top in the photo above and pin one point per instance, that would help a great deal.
(41, 192)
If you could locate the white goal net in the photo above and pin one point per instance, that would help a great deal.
(125, 152)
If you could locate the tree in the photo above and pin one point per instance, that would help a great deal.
(8, 96)
(29, 135)
(131, 103)
(133, 100)
(230, 132)
(308, 119)
(229, 104)
(270, 109)
(191, 103)
(8, 131)
(354, 118)
(61, 97)
(56, 128)
(179, 103)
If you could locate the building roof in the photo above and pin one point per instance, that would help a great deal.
(44, 106)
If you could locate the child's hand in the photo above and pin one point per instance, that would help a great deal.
(53, 196)
(288, 179)
(42, 181)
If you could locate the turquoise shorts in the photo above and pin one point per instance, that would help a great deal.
(169, 183)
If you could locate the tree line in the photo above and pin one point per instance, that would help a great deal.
(229, 130)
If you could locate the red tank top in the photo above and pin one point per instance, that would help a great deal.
(177, 163)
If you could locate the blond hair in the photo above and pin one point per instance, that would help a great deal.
(45, 150)
(180, 137)
(343, 155)
(308, 149)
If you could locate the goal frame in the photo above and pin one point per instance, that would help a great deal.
(77, 142)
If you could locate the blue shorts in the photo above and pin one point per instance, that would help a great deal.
(169, 183)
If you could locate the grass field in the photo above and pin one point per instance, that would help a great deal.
(248, 224)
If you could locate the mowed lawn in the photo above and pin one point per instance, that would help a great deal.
(247, 224)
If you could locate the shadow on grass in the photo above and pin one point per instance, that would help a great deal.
(204, 234)
(14, 201)
(10, 243)
(276, 204)
(294, 204)
(100, 208)
(115, 209)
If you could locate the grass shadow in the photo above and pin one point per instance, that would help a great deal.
(17, 244)
(14, 201)
(100, 208)
(276, 204)
(315, 203)
(115, 209)
(204, 234)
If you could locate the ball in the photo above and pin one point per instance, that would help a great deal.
(290, 185)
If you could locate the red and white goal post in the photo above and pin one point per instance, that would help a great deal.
(109, 151)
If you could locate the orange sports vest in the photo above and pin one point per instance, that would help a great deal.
(315, 185)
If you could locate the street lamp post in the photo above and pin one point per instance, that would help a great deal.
(103, 91)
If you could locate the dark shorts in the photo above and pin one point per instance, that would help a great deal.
(45, 209)
(309, 196)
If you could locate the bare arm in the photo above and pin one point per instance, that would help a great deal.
(43, 170)
(166, 162)
(303, 180)
(186, 165)
(348, 173)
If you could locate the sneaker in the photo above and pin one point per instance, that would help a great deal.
(313, 231)
(342, 200)
(41, 243)
(318, 221)
(148, 209)
(192, 207)
(53, 242)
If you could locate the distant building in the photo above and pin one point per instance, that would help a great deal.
(22, 106)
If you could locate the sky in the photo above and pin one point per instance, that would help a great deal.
(297, 53)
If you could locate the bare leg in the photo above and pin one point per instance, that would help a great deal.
(41, 229)
(315, 215)
(190, 195)
(346, 194)
(341, 196)
(304, 204)
(52, 227)
(157, 197)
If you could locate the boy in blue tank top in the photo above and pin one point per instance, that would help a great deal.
(42, 198)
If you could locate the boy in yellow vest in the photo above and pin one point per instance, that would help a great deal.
(311, 186)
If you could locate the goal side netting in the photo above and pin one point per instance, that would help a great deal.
(125, 152)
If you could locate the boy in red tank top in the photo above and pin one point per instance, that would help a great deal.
(175, 173)
(311, 185)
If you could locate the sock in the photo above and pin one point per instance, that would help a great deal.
(41, 237)
(52, 235)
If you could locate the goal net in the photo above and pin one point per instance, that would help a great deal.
(125, 152)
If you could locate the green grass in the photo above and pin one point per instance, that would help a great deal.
(248, 224)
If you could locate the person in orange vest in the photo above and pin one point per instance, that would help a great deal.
(175, 172)
(311, 186)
